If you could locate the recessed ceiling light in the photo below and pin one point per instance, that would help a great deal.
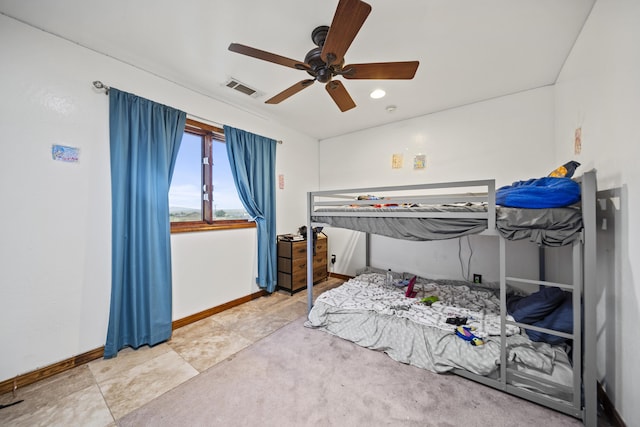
(378, 93)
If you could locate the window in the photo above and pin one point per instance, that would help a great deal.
(203, 195)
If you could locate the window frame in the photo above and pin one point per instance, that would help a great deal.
(211, 134)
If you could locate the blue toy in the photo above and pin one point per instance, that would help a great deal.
(465, 333)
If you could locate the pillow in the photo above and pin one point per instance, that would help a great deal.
(560, 319)
(547, 192)
(536, 306)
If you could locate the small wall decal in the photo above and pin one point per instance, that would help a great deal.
(420, 161)
(396, 161)
(65, 154)
(577, 141)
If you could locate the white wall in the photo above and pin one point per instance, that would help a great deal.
(508, 138)
(55, 248)
(521, 136)
(599, 91)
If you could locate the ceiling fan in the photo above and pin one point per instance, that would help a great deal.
(326, 61)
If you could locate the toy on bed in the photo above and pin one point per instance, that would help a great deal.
(465, 333)
(430, 299)
(565, 171)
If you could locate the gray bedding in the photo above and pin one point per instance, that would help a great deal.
(549, 227)
(371, 314)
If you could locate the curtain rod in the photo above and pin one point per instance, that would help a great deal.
(99, 85)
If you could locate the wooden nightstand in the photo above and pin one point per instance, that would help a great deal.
(292, 263)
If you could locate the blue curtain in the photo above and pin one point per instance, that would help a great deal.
(144, 141)
(253, 164)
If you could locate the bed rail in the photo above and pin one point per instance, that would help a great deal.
(334, 202)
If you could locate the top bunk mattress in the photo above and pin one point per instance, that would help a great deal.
(548, 227)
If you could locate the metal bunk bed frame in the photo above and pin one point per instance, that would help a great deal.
(583, 404)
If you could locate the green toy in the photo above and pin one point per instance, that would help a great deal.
(430, 300)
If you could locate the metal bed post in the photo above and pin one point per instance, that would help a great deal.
(491, 223)
(503, 312)
(542, 265)
(589, 380)
(367, 250)
(491, 205)
(577, 322)
(309, 253)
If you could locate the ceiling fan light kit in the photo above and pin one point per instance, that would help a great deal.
(326, 61)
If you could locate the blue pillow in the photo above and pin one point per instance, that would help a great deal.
(535, 307)
(560, 319)
(547, 192)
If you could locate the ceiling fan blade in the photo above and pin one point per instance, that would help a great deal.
(347, 21)
(267, 56)
(290, 91)
(340, 95)
(381, 70)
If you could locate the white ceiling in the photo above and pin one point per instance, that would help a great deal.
(469, 50)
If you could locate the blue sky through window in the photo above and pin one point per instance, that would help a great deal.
(186, 183)
(225, 195)
(185, 191)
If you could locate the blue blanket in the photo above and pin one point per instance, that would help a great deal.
(539, 193)
(549, 308)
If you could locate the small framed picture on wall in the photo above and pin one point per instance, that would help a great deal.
(396, 161)
(420, 161)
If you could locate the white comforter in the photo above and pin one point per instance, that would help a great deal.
(368, 292)
(373, 315)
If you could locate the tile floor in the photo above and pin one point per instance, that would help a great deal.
(103, 391)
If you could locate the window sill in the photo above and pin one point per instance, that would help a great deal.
(191, 226)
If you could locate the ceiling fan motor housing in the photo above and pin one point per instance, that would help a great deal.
(318, 68)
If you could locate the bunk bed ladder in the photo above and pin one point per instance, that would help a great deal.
(584, 297)
(574, 406)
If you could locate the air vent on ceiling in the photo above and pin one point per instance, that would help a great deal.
(241, 87)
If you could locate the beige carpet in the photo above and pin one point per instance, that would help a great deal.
(303, 377)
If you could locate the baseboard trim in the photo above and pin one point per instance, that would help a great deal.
(211, 311)
(608, 407)
(48, 371)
